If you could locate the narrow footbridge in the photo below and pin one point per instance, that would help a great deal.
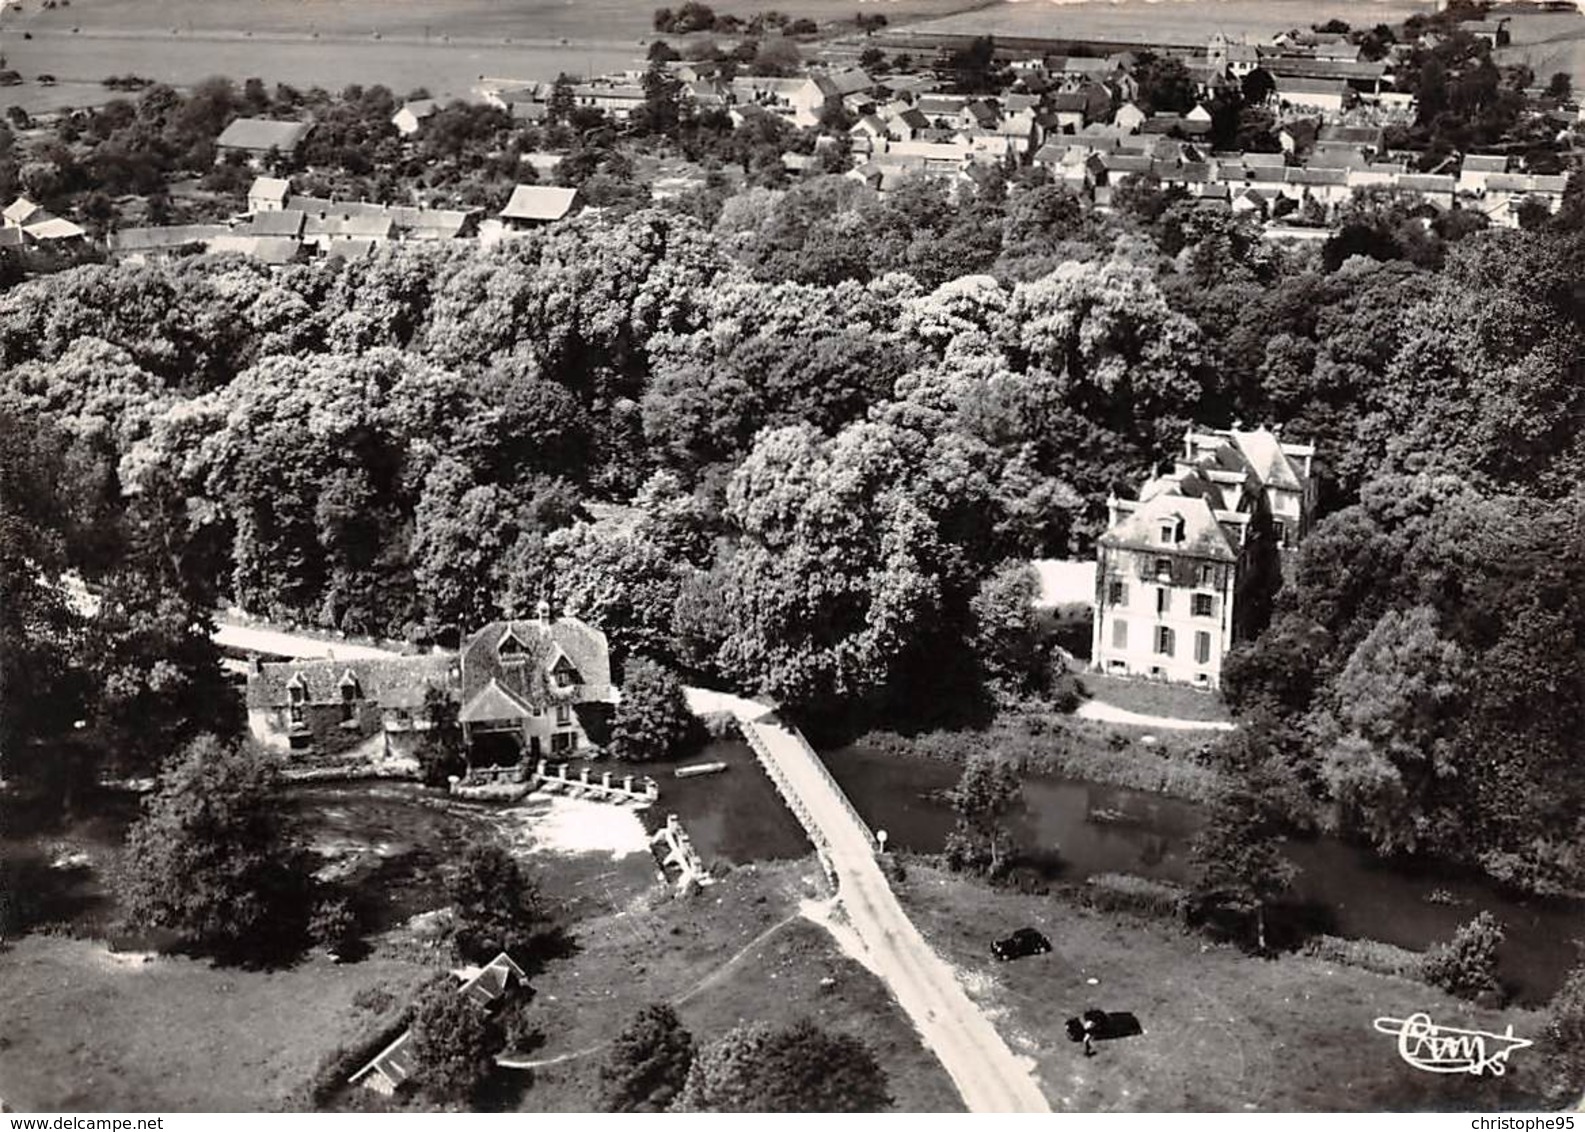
(986, 1072)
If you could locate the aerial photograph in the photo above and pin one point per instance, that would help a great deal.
(863, 556)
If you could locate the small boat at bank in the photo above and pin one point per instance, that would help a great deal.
(696, 769)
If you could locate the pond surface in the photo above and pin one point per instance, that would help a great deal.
(1073, 830)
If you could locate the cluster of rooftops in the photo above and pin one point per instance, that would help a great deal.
(283, 227)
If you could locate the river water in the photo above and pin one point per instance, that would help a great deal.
(1075, 829)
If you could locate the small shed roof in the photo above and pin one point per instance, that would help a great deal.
(269, 188)
(539, 202)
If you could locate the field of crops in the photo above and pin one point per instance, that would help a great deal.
(459, 19)
(1165, 21)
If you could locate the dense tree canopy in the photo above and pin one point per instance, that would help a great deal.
(648, 1063)
(792, 450)
(212, 860)
(800, 1069)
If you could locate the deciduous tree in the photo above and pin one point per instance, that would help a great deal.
(801, 1069)
(648, 1063)
(212, 860)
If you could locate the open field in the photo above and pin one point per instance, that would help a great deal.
(1548, 43)
(460, 19)
(89, 1031)
(1187, 22)
(447, 70)
(446, 47)
(1222, 1031)
(738, 952)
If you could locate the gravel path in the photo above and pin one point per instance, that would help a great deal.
(1106, 713)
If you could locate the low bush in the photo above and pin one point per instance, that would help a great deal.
(1563, 1040)
(1368, 955)
(1121, 892)
(376, 999)
(1467, 964)
(1047, 743)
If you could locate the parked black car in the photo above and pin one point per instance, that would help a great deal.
(1025, 941)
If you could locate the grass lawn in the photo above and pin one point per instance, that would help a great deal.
(738, 952)
(88, 1031)
(1150, 697)
(1222, 1031)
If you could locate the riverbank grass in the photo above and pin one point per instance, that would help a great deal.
(737, 952)
(88, 1030)
(1223, 1031)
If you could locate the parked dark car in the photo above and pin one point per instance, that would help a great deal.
(1025, 941)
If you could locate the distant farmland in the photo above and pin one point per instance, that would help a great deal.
(1548, 43)
(461, 19)
(1176, 22)
(443, 45)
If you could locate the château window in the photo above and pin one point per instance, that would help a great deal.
(1164, 640)
(1119, 634)
(1204, 605)
(563, 715)
(1117, 592)
(1208, 576)
(1163, 600)
(1280, 529)
(1202, 648)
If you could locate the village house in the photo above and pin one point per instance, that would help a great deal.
(533, 688)
(268, 194)
(139, 245)
(410, 118)
(1325, 96)
(1169, 566)
(521, 689)
(617, 99)
(34, 224)
(799, 99)
(370, 711)
(1476, 168)
(256, 138)
(1129, 118)
(486, 987)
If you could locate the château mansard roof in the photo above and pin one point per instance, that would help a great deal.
(1210, 493)
(1198, 530)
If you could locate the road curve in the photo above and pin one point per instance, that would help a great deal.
(988, 1075)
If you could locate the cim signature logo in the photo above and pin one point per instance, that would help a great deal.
(1443, 1049)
